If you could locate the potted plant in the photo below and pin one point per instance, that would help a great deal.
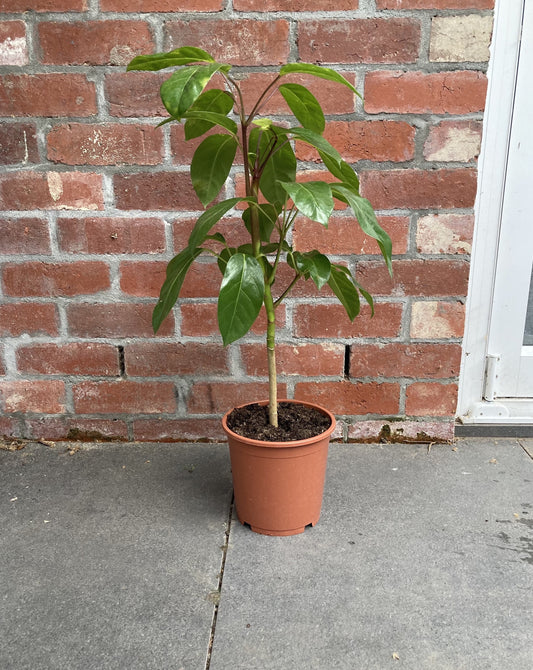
(277, 490)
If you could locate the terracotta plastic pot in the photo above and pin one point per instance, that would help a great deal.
(278, 486)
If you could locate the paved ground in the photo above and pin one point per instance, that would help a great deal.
(111, 558)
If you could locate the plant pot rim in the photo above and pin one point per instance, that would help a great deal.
(289, 443)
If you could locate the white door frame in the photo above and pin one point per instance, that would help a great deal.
(473, 406)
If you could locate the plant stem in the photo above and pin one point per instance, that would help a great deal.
(271, 354)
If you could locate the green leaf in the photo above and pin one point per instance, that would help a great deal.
(224, 256)
(366, 218)
(180, 91)
(181, 56)
(268, 215)
(345, 291)
(312, 198)
(342, 171)
(281, 165)
(315, 264)
(213, 100)
(240, 298)
(211, 164)
(317, 71)
(208, 219)
(317, 141)
(213, 119)
(176, 271)
(304, 106)
(366, 295)
(264, 124)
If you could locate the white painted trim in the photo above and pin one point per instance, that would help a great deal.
(502, 74)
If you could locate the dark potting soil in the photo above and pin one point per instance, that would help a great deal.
(295, 422)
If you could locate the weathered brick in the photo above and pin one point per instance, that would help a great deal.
(161, 5)
(105, 144)
(150, 359)
(43, 5)
(135, 94)
(94, 42)
(24, 236)
(420, 189)
(124, 397)
(302, 359)
(330, 320)
(375, 40)
(431, 399)
(13, 46)
(72, 358)
(344, 236)
(35, 396)
(18, 143)
(402, 431)
(112, 235)
(19, 318)
(435, 4)
(219, 397)
(456, 141)
(156, 191)
(294, 5)
(426, 361)
(114, 320)
(74, 428)
(366, 140)
(437, 320)
(415, 277)
(47, 94)
(460, 39)
(457, 92)
(55, 279)
(238, 41)
(345, 397)
(445, 234)
(178, 430)
(51, 190)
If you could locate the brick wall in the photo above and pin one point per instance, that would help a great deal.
(95, 199)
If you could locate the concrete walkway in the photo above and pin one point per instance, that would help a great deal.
(127, 557)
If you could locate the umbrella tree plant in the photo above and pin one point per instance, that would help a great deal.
(273, 195)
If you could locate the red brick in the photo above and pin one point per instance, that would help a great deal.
(150, 359)
(415, 277)
(114, 320)
(333, 97)
(135, 94)
(24, 236)
(420, 189)
(431, 399)
(330, 320)
(112, 235)
(427, 361)
(94, 42)
(72, 358)
(45, 397)
(178, 430)
(19, 318)
(219, 397)
(161, 5)
(366, 140)
(345, 397)
(457, 92)
(43, 5)
(237, 41)
(183, 150)
(434, 4)
(124, 397)
(77, 429)
(359, 40)
(13, 46)
(156, 191)
(142, 278)
(10, 427)
(50, 94)
(304, 359)
(233, 230)
(344, 236)
(294, 5)
(200, 319)
(105, 144)
(18, 143)
(55, 279)
(51, 190)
